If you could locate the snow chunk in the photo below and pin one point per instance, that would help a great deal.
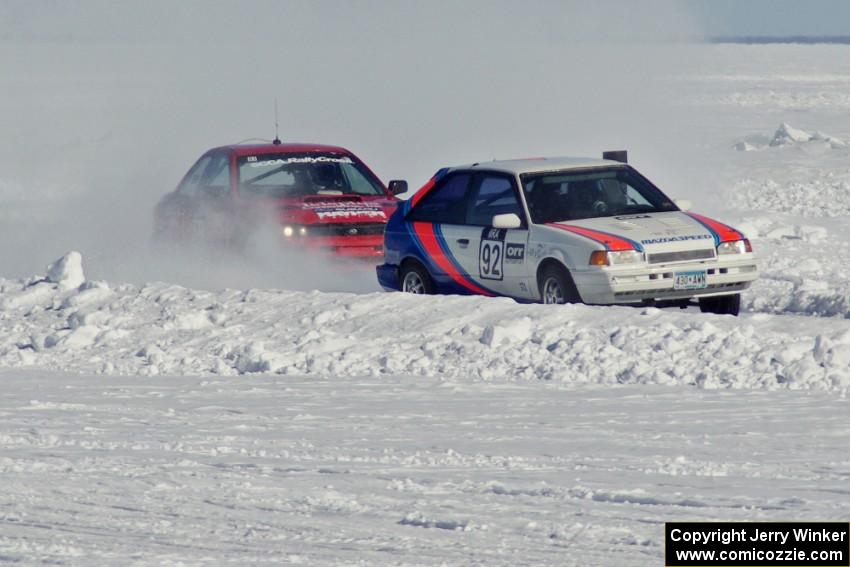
(38, 293)
(67, 271)
(89, 293)
(419, 520)
(787, 135)
(255, 358)
(81, 337)
(833, 141)
(515, 331)
(745, 147)
(193, 321)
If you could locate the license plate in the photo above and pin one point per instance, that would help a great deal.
(689, 280)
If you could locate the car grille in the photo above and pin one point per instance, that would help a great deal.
(346, 229)
(683, 256)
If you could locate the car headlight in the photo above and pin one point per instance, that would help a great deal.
(289, 231)
(734, 247)
(615, 258)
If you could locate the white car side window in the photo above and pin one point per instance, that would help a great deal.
(495, 195)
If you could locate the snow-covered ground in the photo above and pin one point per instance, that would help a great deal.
(269, 423)
(342, 470)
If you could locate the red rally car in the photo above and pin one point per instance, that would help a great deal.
(314, 196)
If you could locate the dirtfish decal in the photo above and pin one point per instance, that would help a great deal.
(345, 210)
(348, 213)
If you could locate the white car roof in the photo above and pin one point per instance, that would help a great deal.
(537, 165)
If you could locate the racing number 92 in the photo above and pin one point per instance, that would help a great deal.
(491, 259)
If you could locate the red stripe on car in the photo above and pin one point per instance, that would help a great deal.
(610, 241)
(425, 232)
(724, 232)
(423, 191)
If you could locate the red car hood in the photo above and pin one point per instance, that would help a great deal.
(327, 209)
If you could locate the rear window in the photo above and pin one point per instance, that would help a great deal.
(294, 175)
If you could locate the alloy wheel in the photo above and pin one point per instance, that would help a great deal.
(552, 291)
(413, 284)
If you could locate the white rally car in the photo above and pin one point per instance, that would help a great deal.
(562, 230)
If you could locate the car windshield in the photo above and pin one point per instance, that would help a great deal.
(296, 175)
(590, 193)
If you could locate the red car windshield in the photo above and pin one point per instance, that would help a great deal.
(296, 175)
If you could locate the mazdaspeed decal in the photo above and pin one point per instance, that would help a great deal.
(610, 241)
(663, 239)
(721, 232)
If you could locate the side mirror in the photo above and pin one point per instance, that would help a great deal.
(398, 186)
(509, 220)
(683, 204)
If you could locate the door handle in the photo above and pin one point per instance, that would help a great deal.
(464, 242)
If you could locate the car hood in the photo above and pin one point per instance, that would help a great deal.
(321, 209)
(652, 232)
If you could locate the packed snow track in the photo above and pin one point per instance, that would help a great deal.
(270, 470)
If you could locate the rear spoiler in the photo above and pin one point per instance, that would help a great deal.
(616, 155)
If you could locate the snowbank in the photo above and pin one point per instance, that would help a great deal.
(794, 207)
(166, 329)
(817, 196)
(788, 135)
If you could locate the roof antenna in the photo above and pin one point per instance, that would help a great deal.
(276, 140)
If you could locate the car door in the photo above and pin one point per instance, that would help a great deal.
(500, 262)
(447, 245)
(215, 215)
(175, 214)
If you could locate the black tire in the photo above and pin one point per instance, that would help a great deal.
(556, 285)
(414, 278)
(722, 305)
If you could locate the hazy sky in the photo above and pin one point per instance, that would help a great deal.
(772, 17)
(123, 96)
(218, 21)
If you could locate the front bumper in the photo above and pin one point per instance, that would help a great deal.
(368, 248)
(622, 284)
(388, 277)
